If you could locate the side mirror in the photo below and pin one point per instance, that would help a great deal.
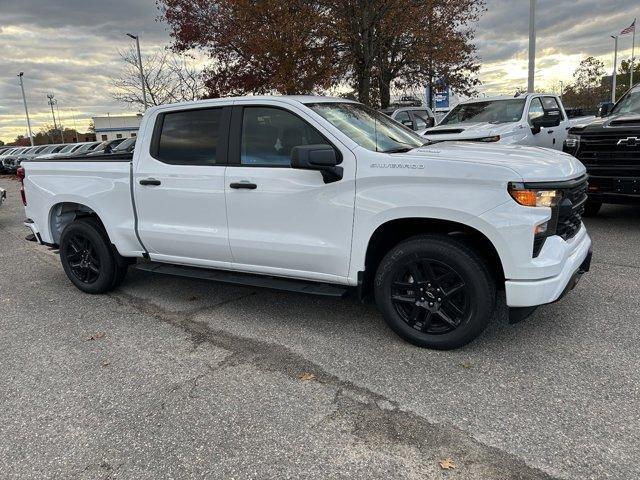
(548, 120)
(605, 109)
(407, 123)
(431, 122)
(321, 157)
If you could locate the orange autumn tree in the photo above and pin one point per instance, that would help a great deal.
(256, 46)
(292, 46)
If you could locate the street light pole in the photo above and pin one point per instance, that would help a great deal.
(615, 67)
(26, 110)
(532, 45)
(144, 90)
(52, 102)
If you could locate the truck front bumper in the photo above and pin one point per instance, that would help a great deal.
(529, 293)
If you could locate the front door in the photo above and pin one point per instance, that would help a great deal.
(179, 187)
(283, 220)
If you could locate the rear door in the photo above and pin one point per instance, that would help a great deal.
(179, 186)
(283, 220)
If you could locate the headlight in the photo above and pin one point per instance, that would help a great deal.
(534, 198)
(572, 141)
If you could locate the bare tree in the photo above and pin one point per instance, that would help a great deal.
(168, 78)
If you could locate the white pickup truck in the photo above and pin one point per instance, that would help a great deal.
(536, 119)
(324, 196)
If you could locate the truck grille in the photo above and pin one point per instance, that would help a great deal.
(570, 210)
(602, 153)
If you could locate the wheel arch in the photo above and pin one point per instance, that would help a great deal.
(63, 213)
(390, 233)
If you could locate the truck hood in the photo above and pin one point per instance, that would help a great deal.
(628, 123)
(468, 131)
(532, 164)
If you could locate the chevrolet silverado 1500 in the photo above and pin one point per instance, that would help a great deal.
(323, 196)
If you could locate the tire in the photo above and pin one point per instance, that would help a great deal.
(458, 293)
(591, 208)
(88, 258)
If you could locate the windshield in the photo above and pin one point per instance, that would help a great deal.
(368, 128)
(68, 148)
(630, 103)
(125, 145)
(494, 111)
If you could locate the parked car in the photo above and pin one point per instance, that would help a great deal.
(415, 118)
(10, 161)
(84, 149)
(68, 149)
(5, 153)
(531, 119)
(106, 147)
(610, 149)
(30, 153)
(264, 191)
(125, 147)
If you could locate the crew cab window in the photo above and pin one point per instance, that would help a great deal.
(535, 109)
(420, 119)
(269, 134)
(402, 117)
(190, 137)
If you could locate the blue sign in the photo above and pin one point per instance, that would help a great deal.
(441, 97)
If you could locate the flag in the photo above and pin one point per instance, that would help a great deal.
(630, 28)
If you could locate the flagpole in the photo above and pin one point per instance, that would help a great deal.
(532, 46)
(633, 47)
(615, 67)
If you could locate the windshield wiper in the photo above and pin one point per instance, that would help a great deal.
(398, 150)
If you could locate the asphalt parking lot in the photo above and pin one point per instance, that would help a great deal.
(174, 378)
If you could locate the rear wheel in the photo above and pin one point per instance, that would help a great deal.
(435, 292)
(88, 258)
(592, 208)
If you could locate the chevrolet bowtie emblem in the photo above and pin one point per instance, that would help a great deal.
(629, 141)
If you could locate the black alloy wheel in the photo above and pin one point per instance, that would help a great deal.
(83, 259)
(89, 259)
(430, 296)
(435, 291)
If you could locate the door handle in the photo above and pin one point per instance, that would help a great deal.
(246, 185)
(150, 181)
(549, 132)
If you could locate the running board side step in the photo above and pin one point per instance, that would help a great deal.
(245, 279)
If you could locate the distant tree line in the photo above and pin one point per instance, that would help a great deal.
(591, 86)
(299, 46)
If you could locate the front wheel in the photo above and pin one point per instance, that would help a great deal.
(88, 259)
(435, 291)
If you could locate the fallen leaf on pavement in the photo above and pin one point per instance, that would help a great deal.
(307, 376)
(467, 364)
(96, 336)
(447, 464)
(106, 364)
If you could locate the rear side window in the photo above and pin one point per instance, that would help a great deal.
(190, 137)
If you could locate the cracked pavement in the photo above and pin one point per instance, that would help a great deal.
(176, 378)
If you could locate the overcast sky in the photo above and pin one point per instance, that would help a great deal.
(69, 48)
